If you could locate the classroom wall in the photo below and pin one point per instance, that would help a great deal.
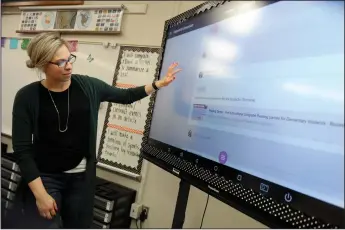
(158, 189)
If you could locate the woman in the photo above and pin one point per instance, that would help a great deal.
(54, 134)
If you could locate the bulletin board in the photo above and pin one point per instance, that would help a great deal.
(121, 138)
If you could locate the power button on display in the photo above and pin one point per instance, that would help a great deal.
(288, 197)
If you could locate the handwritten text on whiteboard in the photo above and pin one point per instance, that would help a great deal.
(125, 124)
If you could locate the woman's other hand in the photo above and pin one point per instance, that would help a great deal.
(47, 206)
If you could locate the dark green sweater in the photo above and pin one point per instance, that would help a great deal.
(25, 117)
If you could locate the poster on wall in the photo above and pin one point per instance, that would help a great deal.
(37, 20)
(99, 20)
(120, 143)
(85, 20)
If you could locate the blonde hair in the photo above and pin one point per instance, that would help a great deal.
(42, 49)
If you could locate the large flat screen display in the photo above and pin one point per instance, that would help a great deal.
(261, 91)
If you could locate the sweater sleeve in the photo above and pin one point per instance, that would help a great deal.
(22, 130)
(117, 95)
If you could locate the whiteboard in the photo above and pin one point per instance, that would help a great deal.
(15, 75)
(123, 128)
(92, 60)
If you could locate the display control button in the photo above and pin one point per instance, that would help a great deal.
(239, 177)
(264, 187)
(288, 197)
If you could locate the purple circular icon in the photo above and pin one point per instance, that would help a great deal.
(223, 157)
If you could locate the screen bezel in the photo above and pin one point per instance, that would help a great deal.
(326, 214)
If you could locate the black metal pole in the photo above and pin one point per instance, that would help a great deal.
(181, 205)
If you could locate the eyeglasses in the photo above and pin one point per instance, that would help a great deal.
(62, 63)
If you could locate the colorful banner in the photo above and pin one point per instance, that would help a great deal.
(73, 45)
(25, 43)
(13, 43)
(3, 40)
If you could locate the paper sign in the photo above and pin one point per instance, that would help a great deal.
(125, 124)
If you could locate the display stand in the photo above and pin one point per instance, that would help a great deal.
(181, 205)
